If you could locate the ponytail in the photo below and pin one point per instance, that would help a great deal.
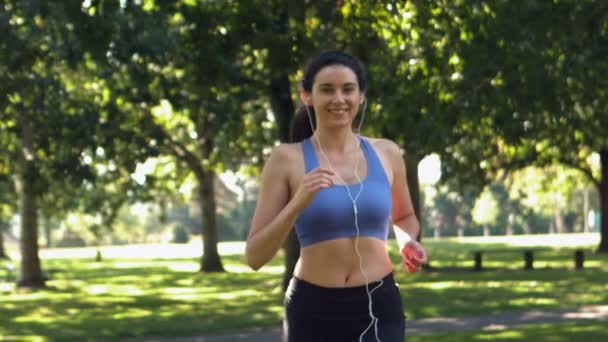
(300, 124)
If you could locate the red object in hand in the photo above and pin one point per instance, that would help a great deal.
(414, 256)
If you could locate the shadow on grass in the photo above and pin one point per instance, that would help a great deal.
(477, 293)
(99, 300)
(119, 298)
(559, 332)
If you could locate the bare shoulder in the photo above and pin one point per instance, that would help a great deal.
(390, 156)
(283, 156)
(387, 147)
(284, 152)
(285, 164)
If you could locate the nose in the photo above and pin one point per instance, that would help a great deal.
(339, 96)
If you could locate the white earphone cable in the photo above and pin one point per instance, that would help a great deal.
(374, 319)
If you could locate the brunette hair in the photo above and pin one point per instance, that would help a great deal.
(300, 125)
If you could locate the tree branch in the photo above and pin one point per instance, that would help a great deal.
(586, 171)
(179, 150)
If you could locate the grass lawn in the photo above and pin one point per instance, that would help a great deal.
(563, 332)
(156, 291)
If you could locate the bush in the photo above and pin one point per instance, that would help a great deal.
(71, 239)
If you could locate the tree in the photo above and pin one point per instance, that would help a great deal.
(7, 210)
(485, 210)
(548, 191)
(184, 80)
(8, 196)
(562, 67)
(525, 78)
(48, 123)
(449, 209)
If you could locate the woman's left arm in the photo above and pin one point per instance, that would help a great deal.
(404, 218)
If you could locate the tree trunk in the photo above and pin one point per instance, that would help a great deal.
(3, 254)
(47, 232)
(411, 164)
(559, 219)
(283, 109)
(282, 105)
(486, 230)
(210, 261)
(31, 273)
(526, 227)
(437, 232)
(603, 190)
(586, 210)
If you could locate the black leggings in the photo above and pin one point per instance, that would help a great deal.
(316, 314)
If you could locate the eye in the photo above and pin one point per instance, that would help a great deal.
(327, 90)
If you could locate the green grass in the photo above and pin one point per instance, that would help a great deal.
(561, 332)
(504, 286)
(140, 298)
(156, 295)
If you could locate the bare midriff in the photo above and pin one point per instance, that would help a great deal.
(335, 263)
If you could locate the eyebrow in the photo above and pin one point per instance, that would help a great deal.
(331, 85)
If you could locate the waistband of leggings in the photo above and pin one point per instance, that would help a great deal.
(303, 284)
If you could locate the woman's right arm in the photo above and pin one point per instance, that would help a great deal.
(275, 214)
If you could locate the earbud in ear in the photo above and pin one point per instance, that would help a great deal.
(362, 100)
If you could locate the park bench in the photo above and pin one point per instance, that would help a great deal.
(528, 255)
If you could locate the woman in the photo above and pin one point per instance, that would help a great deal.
(339, 190)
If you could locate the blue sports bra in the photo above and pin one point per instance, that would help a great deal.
(330, 214)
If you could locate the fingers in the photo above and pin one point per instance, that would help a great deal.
(318, 178)
(414, 256)
(418, 256)
(317, 183)
(412, 265)
(322, 170)
(423, 258)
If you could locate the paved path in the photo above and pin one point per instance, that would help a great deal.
(432, 325)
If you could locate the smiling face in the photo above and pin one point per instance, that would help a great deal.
(335, 96)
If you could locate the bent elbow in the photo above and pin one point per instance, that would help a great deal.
(252, 262)
(255, 267)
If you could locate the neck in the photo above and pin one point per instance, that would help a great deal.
(336, 140)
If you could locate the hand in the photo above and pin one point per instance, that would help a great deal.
(313, 182)
(414, 256)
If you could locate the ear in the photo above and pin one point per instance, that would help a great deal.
(305, 97)
(362, 98)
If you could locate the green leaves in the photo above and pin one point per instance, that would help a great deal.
(487, 85)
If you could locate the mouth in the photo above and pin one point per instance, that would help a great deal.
(339, 111)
